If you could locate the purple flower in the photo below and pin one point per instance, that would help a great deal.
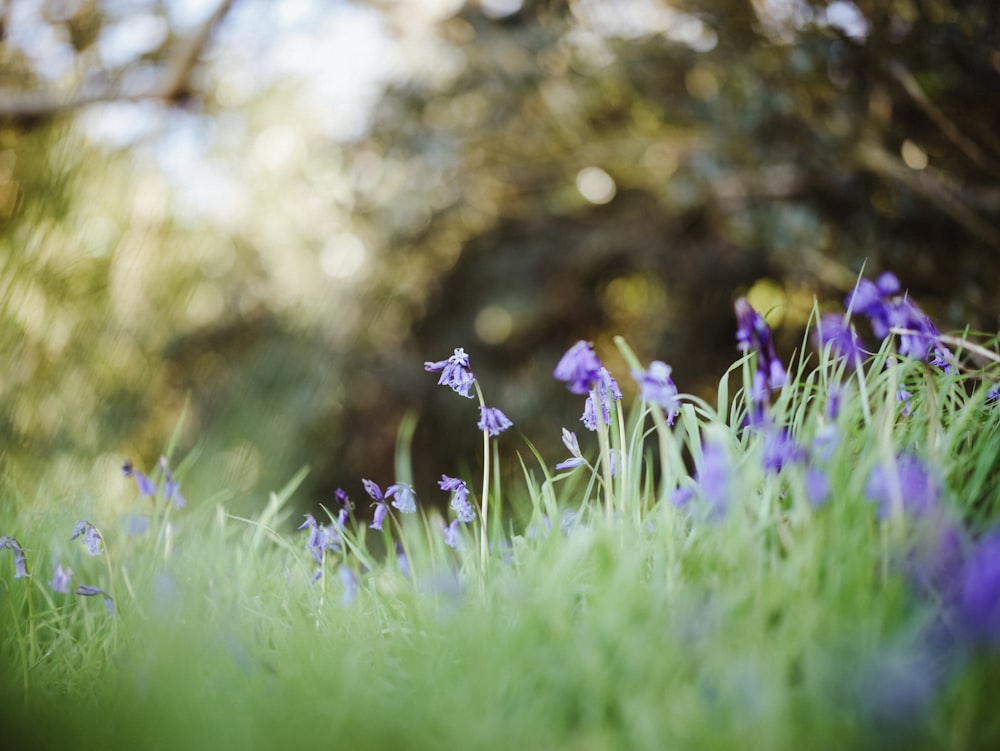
(993, 395)
(657, 387)
(20, 562)
(403, 497)
(886, 310)
(980, 591)
(321, 540)
(171, 490)
(403, 561)
(350, 582)
(840, 334)
(145, 485)
(576, 458)
(373, 490)
(60, 579)
(753, 333)
(780, 449)
(601, 396)
(713, 478)
(342, 499)
(92, 538)
(459, 497)
(579, 368)
(817, 486)
(917, 489)
(88, 591)
(453, 534)
(380, 513)
(493, 421)
(455, 372)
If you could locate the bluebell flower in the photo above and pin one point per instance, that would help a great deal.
(403, 497)
(349, 580)
(817, 486)
(403, 561)
(753, 333)
(20, 562)
(145, 485)
(918, 489)
(373, 490)
(599, 400)
(657, 387)
(321, 540)
(453, 534)
(886, 310)
(459, 497)
(342, 499)
(579, 368)
(171, 490)
(381, 510)
(834, 330)
(713, 479)
(993, 395)
(92, 538)
(493, 421)
(780, 449)
(980, 591)
(60, 579)
(573, 446)
(455, 372)
(89, 591)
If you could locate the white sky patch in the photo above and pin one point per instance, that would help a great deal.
(131, 37)
(848, 18)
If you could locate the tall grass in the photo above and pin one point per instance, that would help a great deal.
(676, 589)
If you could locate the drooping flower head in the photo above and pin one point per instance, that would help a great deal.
(753, 333)
(908, 480)
(493, 421)
(60, 579)
(92, 538)
(882, 305)
(980, 591)
(381, 508)
(579, 368)
(573, 446)
(145, 485)
(657, 387)
(171, 490)
(90, 591)
(20, 562)
(459, 497)
(322, 540)
(841, 335)
(599, 400)
(403, 497)
(455, 372)
(713, 478)
(453, 534)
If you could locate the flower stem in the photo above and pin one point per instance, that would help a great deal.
(485, 508)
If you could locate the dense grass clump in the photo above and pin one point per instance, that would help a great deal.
(812, 563)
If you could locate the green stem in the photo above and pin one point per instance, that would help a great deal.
(485, 506)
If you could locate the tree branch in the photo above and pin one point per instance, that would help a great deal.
(172, 85)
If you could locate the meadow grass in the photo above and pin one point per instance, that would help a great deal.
(798, 567)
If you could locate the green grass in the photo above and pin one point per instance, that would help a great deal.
(641, 625)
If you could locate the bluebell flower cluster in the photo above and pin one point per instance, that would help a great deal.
(889, 312)
(583, 373)
(657, 387)
(455, 372)
(754, 334)
(459, 498)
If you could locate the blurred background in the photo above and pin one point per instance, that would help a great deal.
(280, 209)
